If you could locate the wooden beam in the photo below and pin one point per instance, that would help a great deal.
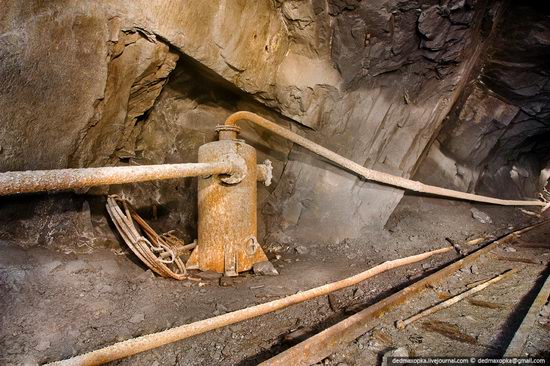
(146, 342)
(325, 343)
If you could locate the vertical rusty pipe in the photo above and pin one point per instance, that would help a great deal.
(227, 213)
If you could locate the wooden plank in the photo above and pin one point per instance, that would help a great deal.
(146, 342)
(325, 343)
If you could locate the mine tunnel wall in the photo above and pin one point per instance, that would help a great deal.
(495, 140)
(116, 83)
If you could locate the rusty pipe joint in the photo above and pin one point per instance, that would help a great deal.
(227, 132)
(238, 169)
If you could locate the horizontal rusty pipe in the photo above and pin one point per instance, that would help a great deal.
(140, 344)
(369, 174)
(63, 179)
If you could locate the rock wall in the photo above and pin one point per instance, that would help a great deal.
(117, 82)
(495, 140)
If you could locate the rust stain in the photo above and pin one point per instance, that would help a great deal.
(227, 226)
(486, 304)
(442, 295)
(449, 330)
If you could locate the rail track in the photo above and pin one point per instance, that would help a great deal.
(498, 280)
(505, 318)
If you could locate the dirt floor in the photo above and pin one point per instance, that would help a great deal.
(57, 305)
(481, 325)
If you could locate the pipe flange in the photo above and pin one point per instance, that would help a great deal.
(238, 173)
(227, 132)
(220, 128)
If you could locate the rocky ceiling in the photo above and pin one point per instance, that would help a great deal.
(453, 91)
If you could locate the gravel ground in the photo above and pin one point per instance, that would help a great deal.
(57, 305)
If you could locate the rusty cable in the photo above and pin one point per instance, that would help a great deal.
(153, 249)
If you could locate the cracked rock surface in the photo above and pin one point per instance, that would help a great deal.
(143, 82)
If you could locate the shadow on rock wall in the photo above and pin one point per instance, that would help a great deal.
(495, 140)
(146, 82)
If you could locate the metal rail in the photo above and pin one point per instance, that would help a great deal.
(325, 343)
(519, 341)
(367, 173)
(150, 341)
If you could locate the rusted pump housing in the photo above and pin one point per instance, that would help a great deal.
(227, 223)
(227, 191)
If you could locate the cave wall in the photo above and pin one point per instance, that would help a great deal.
(401, 65)
(116, 83)
(495, 140)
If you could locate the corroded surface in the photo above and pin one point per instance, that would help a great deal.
(63, 179)
(370, 174)
(227, 227)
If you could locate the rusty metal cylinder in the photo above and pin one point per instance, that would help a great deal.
(227, 213)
